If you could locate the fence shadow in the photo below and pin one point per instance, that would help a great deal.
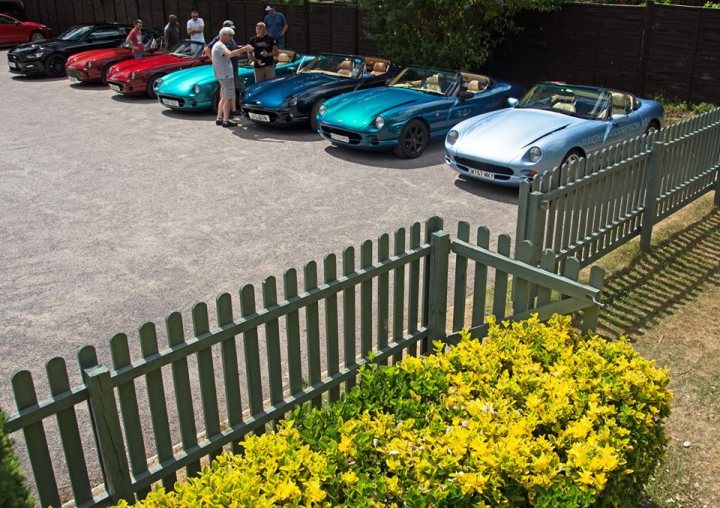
(434, 155)
(656, 284)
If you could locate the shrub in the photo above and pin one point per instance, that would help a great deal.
(13, 490)
(534, 415)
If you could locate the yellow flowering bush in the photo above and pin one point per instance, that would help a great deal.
(533, 415)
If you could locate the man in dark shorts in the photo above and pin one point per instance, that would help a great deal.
(265, 50)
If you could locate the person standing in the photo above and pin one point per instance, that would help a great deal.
(171, 33)
(235, 60)
(135, 39)
(196, 27)
(276, 25)
(223, 71)
(264, 52)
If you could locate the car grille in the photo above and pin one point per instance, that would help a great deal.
(501, 172)
(354, 137)
(180, 101)
(15, 58)
(74, 73)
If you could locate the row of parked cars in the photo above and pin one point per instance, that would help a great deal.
(368, 103)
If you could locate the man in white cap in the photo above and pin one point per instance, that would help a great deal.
(276, 24)
(223, 71)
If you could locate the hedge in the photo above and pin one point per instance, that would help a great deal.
(13, 490)
(533, 415)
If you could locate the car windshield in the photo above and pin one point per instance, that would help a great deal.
(75, 33)
(335, 65)
(188, 49)
(583, 102)
(428, 80)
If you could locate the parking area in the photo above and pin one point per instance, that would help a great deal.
(115, 211)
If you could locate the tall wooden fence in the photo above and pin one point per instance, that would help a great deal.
(592, 207)
(391, 303)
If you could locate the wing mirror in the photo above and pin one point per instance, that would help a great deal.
(465, 95)
(619, 119)
(512, 102)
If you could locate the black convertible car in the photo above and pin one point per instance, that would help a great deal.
(296, 98)
(48, 57)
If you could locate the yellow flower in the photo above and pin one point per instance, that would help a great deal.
(313, 492)
(471, 482)
(287, 491)
(347, 446)
(586, 478)
(350, 478)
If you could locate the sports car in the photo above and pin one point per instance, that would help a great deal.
(419, 105)
(554, 123)
(138, 76)
(92, 66)
(14, 31)
(296, 99)
(48, 56)
(197, 89)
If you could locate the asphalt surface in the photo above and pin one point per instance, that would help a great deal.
(115, 211)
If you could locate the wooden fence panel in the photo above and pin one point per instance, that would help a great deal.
(706, 70)
(343, 29)
(296, 37)
(319, 28)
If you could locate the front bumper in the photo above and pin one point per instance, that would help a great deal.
(127, 87)
(353, 139)
(486, 171)
(81, 74)
(25, 67)
(178, 103)
(276, 117)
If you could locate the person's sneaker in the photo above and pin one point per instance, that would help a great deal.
(218, 121)
(229, 123)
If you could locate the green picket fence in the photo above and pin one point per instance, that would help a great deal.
(589, 208)
(388, 299)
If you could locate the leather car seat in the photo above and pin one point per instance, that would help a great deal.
(379, 68)
(345, 68)
(283, 58)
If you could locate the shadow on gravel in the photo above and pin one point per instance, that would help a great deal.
(485, 190)
(36, 79)
(252, 131)
(654, 285)
(193, 116)
(93, 87)
(432, 157)
(132, 99)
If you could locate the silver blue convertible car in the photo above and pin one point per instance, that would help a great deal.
(554, 123)
(419, 105)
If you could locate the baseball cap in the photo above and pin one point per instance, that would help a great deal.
(268, 7)
(228, 23)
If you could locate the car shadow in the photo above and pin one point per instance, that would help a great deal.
(480, 189)
(434, 155)
(255, 132)
(193, 116)
(88, 86)
(36, 78)
(132, 99)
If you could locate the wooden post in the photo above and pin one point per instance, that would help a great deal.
(432, 225)
(645, 48)
(653, 184)
(535, 227)
(438, 287)
(591, 316)
(111, 446)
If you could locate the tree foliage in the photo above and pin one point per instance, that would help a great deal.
(13, 491)
(452, 34)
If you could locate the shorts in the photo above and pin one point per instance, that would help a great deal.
(263, 73)
(227, 88)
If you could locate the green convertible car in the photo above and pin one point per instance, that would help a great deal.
(197, 89)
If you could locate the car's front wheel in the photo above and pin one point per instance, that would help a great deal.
(55, 66)
(313, 115)
(150, 89)
(36, 37)
(104, 73)
(413, 140)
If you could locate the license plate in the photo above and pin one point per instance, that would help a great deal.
(170, 102)
(13, 65)
(261, 118)
(73, 80)
(338, 137)
(115, 87)
(484, 174)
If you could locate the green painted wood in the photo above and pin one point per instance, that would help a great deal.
(182, 389)
(398, 294)
(69, 433)
(650, 207)
(547, 263)
(521, 287)
(501, 279)
(463, 233)
(480, 280)
(383, 294)
(45, 408)
(438, 287)
(156, 399)
(272, 342)
(111, 446)
(87, 359)
(349, 334)
(591, 316)
(414, 287)
(537, 222)
(432, 225)
(252, 354)
(292, 326)
(231, 375)
(332, 336)
(206, 375)
(522, 213)
(312, 323)
(26, 398)
(129, 412)
(366, 304)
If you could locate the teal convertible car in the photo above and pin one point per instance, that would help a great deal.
(419, 105)
(197, 89)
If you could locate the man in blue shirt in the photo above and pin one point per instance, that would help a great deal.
(276, 25)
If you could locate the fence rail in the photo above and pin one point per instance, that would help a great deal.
(589, 208)
(391, 305)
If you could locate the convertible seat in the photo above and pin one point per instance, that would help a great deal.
(475, 82)
(621, 103)
(345, 68)
(564, 103)
(432, 83)
(379, 68)
(285, 56)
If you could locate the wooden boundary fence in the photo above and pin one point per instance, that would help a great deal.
(392, 305)
(592, 207)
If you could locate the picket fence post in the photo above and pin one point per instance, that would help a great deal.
(438, 286)
(651, 194)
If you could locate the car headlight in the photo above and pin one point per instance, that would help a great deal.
(322, 109)
(292, 101)
(379, 122)
(196, 88)
(158, 82)
(452, 136)
(534, 154)
(132, 76)
(89, 65)
(37, 54)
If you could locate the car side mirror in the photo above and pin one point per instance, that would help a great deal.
(619, 119)
(466, 94)
(512, 102)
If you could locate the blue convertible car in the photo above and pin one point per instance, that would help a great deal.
(420, 105)
(553, 124)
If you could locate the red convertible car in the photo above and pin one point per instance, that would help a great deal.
(138, 75)
(92, 66)
(13, 31)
